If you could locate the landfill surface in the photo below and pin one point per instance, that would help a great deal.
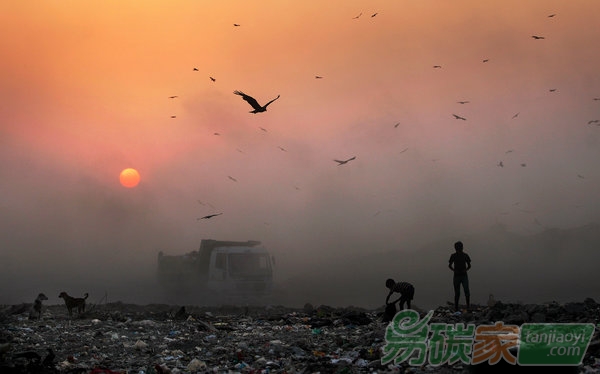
(126, 338)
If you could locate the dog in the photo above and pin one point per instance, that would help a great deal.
(36, 310)
(74, 302)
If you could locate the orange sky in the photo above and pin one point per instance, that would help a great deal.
(85, 89)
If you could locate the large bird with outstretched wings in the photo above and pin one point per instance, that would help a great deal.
(343, 162)
(253, 103)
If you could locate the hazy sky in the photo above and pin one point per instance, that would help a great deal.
(85, 92)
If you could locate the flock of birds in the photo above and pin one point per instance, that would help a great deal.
(258, 108)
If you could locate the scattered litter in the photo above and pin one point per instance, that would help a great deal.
(140, 345)
(122, 338)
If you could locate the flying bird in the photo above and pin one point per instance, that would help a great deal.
(594, 121)
(173, 97)
(580, 176)
(486, 60)
(357, 17)
(596, 98)
(196, 69)
(404, 150)
(509, 151)
(501, 164)
(209, 216)
(437, 66)
(397, 124)
(523, 165)
(263, 129)
(515, 116)
(536, 37)
(463, 102)
(459, 117)
(552, 90)
(283, 149)
(318, 77)
(232, 178)
(373, 15)
(212, 79)
(552, 15)
(253, 103)
(340, 162)
(236, 24)
(173, 116)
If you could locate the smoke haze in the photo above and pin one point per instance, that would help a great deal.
(85, 94)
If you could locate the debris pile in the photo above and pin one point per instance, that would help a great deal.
(125, 338)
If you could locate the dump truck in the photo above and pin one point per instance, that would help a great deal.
(218, 269)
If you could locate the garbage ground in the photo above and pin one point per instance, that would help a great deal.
(126, 338)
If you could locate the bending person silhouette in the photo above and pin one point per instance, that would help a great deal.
(406, 291)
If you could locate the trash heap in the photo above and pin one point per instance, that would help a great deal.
(124, 338)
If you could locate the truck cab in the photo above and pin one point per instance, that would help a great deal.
(218, 270)
(240, 270)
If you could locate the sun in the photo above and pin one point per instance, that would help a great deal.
(129, 178)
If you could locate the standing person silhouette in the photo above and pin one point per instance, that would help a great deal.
(460, 263)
